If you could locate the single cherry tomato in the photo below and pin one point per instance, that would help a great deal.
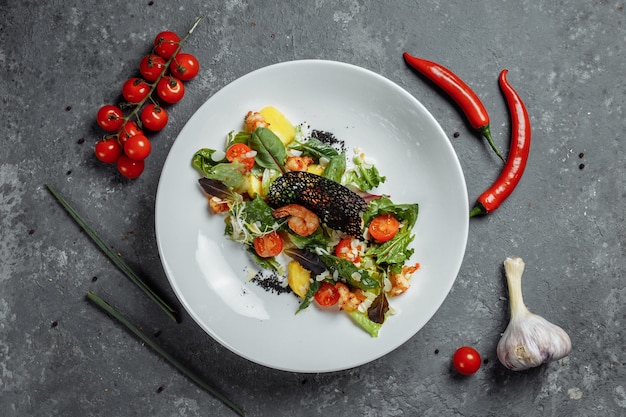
(327, 295)
(154, 117)
(268, 245)
(129, 129)
(129, 168)
(241, 152)
(466, 360)
(151, 67)
(349, 249)
(135, 89)
(170, 89)
(110, 118)
(185, 66)
(137, 147)
(165, 44)
(384, 227)
(108, 151)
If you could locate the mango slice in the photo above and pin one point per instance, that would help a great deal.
(298, 278)
(279, 124)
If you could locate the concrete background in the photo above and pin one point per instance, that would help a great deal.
(61, 60)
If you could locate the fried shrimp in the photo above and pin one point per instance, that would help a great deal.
(298, 163)
(400, 282)
(348, 300)
(301, 220)
(254, 120)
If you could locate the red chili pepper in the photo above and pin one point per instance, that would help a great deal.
(460, 92)
(518, 154)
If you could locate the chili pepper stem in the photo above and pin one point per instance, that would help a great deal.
(486, 132)
(478, 210)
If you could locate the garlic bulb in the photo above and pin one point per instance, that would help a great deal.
(529, 340)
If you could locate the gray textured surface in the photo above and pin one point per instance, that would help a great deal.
(61, 60)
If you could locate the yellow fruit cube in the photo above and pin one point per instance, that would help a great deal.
(316, 169)
(298, 278)
(279, 124)
(254, 186)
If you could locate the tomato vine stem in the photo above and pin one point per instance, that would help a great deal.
(153, 85)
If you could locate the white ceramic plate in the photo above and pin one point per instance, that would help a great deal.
(209, 273)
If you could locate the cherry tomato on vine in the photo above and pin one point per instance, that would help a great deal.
(165, 44)
(185, 66)
(137, 147)
(243, 153)
(110, 118)
(345, 249)
(129, 129)
(327, 295)
(268, 245)
(151, 67)
(108, 151)
(129, 168)
(154, 117)
(170, 89)
(135, 89)
(466, 360)
(384, 227)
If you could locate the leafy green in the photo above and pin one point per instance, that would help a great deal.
(394, 251)
(231, 174)
(315, 285)
(363, 175)
(203, 160)
(307, 259)
(378, 309)
(315, 148)
(317, 239)
(336, 167)
(271, 152)
(346, 270)
(362, 320)
(403, 212)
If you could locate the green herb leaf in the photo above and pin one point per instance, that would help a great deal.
(315, 285)
(171, 312)
(347, 271)
(315, 149)
(362, 320)
(177, 364)
(271, 153)
(336, 167)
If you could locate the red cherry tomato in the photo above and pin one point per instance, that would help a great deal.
(185, 66)
(384, 227)
(327, 295)
(268, 245)
(170, 89)
(466, 360)
(129, 168)
(129, 129)
(137, 147)
(154, 117)
(165, 44)
(135, 89)
(242, 152)
(110, 118)
(348, 250)
(108, 151)
(151, 67)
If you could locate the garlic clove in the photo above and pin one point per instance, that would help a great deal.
(529, 340)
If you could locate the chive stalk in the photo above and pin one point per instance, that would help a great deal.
(123, 266)
(151, 343)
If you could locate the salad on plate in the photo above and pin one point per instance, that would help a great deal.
(309, 213)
